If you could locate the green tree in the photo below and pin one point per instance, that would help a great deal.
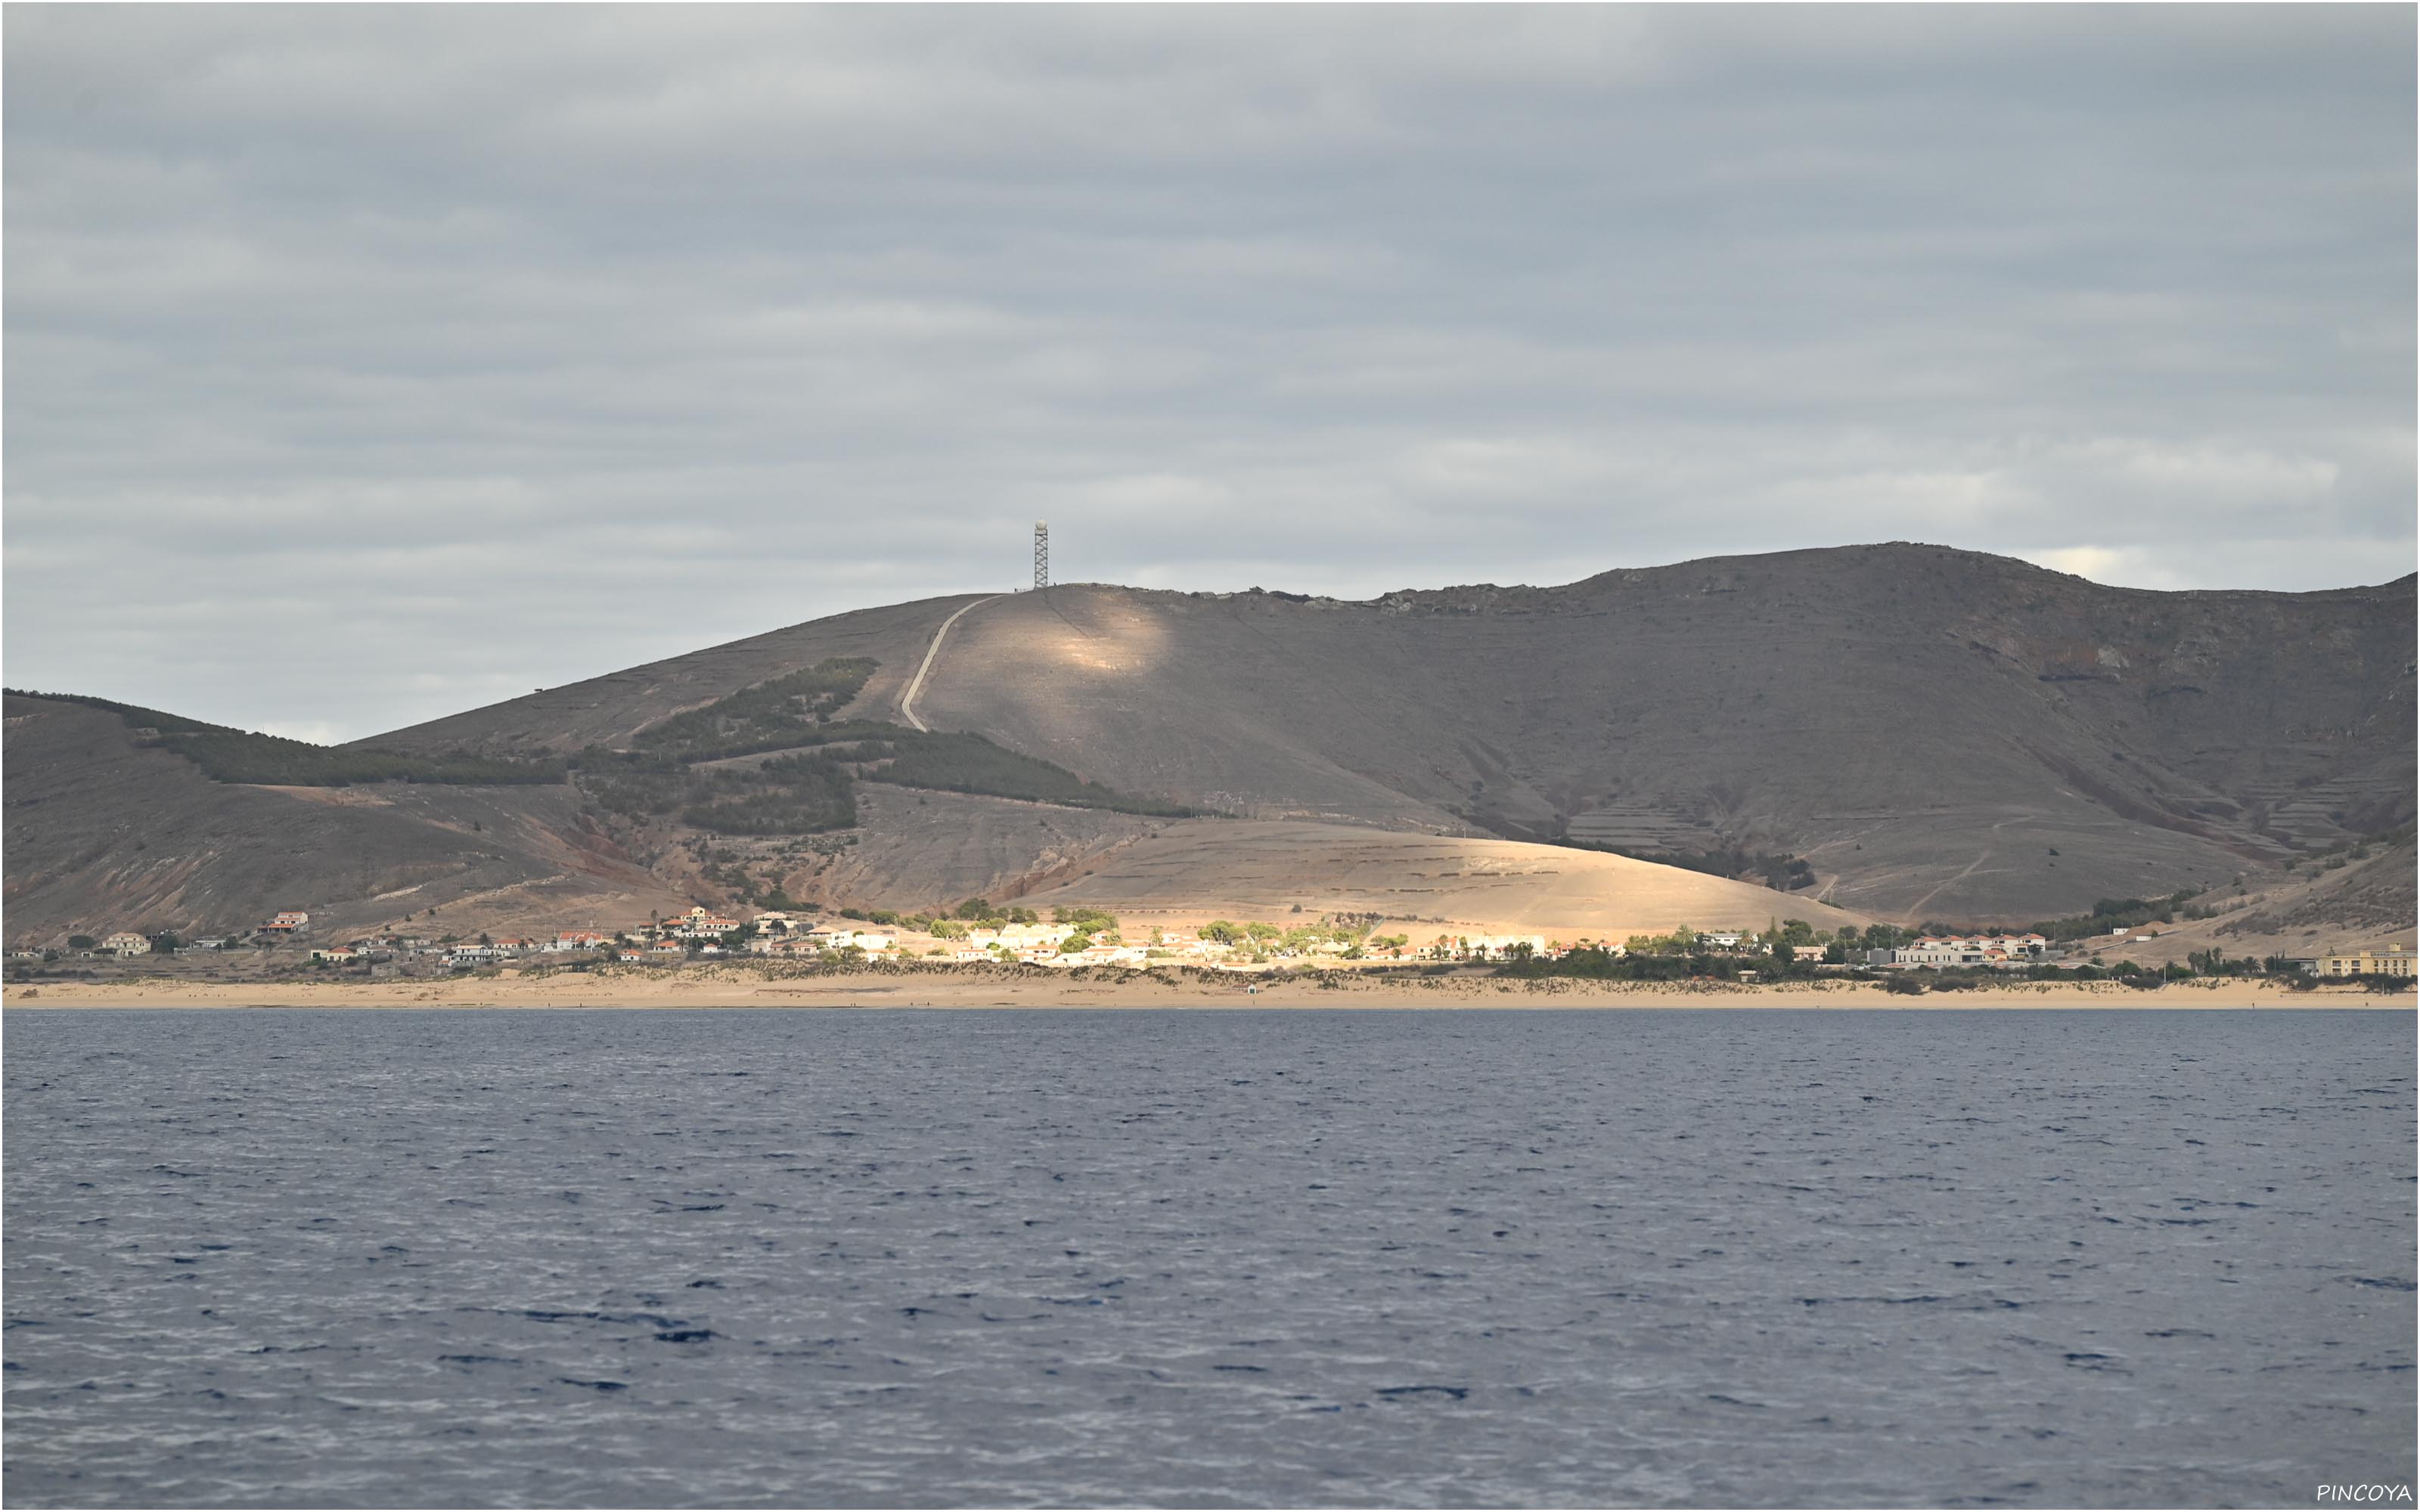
(81, 942)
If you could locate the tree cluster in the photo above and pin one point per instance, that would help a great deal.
(966, 763)
(767, 716)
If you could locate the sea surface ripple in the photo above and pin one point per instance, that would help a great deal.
(571, 1257)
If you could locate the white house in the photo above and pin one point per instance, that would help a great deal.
(126, 942)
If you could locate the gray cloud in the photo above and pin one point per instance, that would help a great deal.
(368, 364)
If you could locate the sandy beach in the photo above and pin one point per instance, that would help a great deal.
(980, 988)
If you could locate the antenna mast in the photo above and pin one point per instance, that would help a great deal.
(1041, 553)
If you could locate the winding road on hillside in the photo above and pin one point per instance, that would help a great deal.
(916, 684)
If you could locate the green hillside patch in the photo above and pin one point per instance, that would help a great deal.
(954, 762)
(814, 790)
(242, 756)
(664, 775)
(789, 795)
(769, 716)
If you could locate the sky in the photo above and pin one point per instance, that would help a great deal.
(364, 364)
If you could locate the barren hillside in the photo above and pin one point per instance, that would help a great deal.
(106, 833)
(1937, 732)
(1904, 732)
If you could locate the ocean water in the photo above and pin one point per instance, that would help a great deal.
(556, 1259)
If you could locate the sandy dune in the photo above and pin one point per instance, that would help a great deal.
(1208, 868)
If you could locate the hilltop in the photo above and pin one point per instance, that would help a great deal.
(1897, 732)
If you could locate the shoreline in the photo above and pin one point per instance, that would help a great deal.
(936, 988)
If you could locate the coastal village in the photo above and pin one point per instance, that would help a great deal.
(977, 934)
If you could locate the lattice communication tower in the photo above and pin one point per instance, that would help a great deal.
(1041, 553)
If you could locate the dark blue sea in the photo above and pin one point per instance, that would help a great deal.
(1207, 1257)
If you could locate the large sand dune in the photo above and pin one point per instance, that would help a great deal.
(1207, 869)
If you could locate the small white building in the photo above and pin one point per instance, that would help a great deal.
(125, 943)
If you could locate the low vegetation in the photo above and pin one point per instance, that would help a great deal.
(949, 763)
(769, 716)
(802, 795)
(812, 789)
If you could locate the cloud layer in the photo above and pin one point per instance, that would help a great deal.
(367, 363)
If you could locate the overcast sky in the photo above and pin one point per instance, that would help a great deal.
(366, 364)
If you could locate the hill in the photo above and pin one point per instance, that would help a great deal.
(1899, 732)
(1933, 733)
(107, 828)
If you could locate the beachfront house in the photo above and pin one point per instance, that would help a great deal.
(2389, 961)
(1965, 951)
(126, 943)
